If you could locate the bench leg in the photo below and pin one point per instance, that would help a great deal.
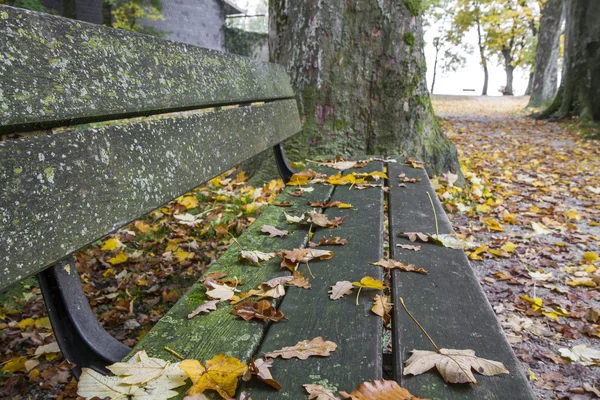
(81, 339)
(285, 170)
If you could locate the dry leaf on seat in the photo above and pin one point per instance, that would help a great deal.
(318, 392)
(379, 390)
(332, 241)
(205, 307)
(340, 289)
(274, 232)
(260, 368)
(256, 256)
(454, 365)
(277, 281)
(413, 236)
(339, 165)
(141, 369)
(393, 264)
(382, 307)
(409, 247)
(304, 349)
(218, 292)
(291, 258)
(261, 310)
(221, 374)
(299, 280)
(368, 282)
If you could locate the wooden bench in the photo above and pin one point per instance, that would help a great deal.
(102, 126)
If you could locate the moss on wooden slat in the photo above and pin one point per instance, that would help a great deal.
(63, 191)
(55, 68)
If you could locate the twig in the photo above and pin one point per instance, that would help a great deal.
(236, 242)
(309, 271)
(420, 326)
(357, 294)
(437, 231)
(176, 354)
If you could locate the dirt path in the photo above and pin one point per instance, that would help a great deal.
(532, 203)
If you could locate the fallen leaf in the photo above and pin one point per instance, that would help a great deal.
(382, 307)
(112, 244)
(413, 236)
(413, 162)
(274, 232)
(262, 311)
(454, 365)
(369, 282)
(339, 165)
(221, 374)
(205, 307)
(581, 354)
(331, 241)
(14, 365)
(409, 247)
(315, 218)
(256, 256)
(327, 204)
(47, 349)
(340, 289)
(118, 259)
(217, 291)
(318, 392)
(291, 258)
(590, 256)
(277, 281)
(390, 264)
(260, 368)
(142, 369)
(304, 349)
(380, 390)
(299, 280)
(93, 384)
(540, 229)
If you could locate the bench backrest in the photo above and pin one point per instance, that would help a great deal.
(76, 173)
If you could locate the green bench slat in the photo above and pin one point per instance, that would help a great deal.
(77, 185)
(356, 330)
(57, 69)
(204, 336)
(449, 302)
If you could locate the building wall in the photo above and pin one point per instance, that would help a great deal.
(87, 10)
(197, 22)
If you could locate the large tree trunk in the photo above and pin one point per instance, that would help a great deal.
(510, 69)
(580, 88)
(486, 75)
(545, 75)
(359, 71)
(529, 84)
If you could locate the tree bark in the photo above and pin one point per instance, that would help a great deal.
(579, 94)
(545, 75)
(509, 68)
(359, 71)
(486, 75)
(529, 84)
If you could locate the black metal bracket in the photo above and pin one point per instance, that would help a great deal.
(81, 338)
(283, 165)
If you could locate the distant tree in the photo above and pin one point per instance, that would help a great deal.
(545, 72)
(130, 15)
(33, 5)
(579, 92)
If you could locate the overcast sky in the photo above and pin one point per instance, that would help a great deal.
(469, 77)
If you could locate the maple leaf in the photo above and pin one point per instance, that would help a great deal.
(274, 232)
(141, 369)
(393, 264)
(256, 256)
(304, 349)
(331, 241)
(218, 292)
(265, 291)
(340, 289)
(93, 384)
(409, 247)
(221, 374)
(454, 365)
(299, 280)
(205, 307)
(261, 310)
(378, 390)
(260, 368)
(382, 307)
(112, 244)
(318, 392)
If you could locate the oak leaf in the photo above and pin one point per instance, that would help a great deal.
(304, 349)
(260, 368)
(331, 241)
(205, 307)
(378, 390)
(274, 232)
(299, 280)
(382, 307)
(256, 256)
(221, 374)
(217, 291)
(277, 281)
(141, 369)
(291, 258)
(394, 264)
(454, 365)
(318, 392)
(314, 218)
(339, 165)
(340, 289)
(261, 310)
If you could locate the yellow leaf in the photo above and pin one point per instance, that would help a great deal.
(173, 245)
(188, 202)
(142, 226)
(43, 322)
(590, 269)
(495, 252)
(369, 282)
(344, 205)
(109, 272)
(509, 218)
(590, 256)
(15, 365)
(118, 259)
(509, 247)
(572, 214)
(483, 208)
(532, 376)
(216, 182)
(298, 180)
(221, 374)
(25, 323)
(493, 224)
(193, 369)
(582, 282)
(183, 255)
(112, 244)
(536, 302)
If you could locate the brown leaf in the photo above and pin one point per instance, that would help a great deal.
(274, 232)
(299, 280)
(393, 264)
(339, 165)
(331, 241)
(322, 220)
(318, 392)
(327, 204)
(282, 204)
(291, 258)
(414, 163)
(412, 236)
(260, 368)
(380, 390)
(205, 307)
(256, 256)
(340, 289)
(215, 276)
(261, 310)
(382, 307)
(304, 349)
(409, 247)
(277, 281)
(454, 365)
